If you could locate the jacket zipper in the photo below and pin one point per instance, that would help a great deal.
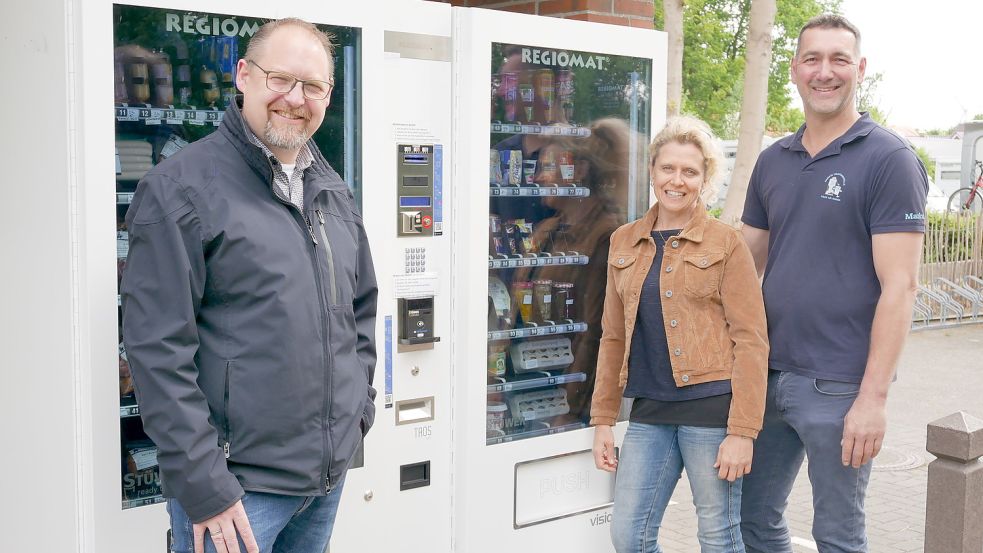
(227, 446)
(326, 463)
(330, 258)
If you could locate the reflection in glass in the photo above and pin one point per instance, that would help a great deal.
(571, 128)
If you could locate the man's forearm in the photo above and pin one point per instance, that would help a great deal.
(892, 321)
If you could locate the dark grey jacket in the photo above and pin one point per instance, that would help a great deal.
(249, 326)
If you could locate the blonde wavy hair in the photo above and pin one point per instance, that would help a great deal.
(685, 129)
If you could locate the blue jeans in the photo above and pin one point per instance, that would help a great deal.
(280, 523)
(651, 462)
(804, 417)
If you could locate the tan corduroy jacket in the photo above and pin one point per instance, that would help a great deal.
(713, 312)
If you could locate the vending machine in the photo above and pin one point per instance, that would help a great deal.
(552, 124)
(168, 71)
(401, 500)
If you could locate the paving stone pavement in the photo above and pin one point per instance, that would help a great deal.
(940, 372)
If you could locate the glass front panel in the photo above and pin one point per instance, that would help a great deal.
(174, 76)
(567, 166)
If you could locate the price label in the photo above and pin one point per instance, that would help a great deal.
(191, 116)
(127, 114)
(513, 333)
(534, 331)
(520, 263)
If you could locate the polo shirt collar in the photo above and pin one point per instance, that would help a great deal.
(860, 128)
(693, 231)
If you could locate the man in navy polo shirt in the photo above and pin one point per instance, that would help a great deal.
(834, 218)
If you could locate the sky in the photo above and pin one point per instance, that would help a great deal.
(931, 55)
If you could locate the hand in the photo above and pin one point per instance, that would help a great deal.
(604, 456)
(734, 457)
(222, 529)
(863, 431)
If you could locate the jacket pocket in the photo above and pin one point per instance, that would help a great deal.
(621, 269)
(226, 419)
(702, 272)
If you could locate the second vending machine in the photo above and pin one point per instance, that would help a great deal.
(554, 121)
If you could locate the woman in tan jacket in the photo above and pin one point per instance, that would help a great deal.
(684, 335)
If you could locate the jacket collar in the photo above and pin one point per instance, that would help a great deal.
(235, 130)
(693, 231)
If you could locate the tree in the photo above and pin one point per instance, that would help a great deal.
(753, 106)
(715, 37)
(926, 160)
(867, 98)
(673, 25)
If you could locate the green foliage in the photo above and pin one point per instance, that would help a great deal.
(948, 237)
(715, 37)
(926, 160)
(978, 117)
(867, 98)
(716, 212)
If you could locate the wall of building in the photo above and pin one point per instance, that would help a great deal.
(628, 13)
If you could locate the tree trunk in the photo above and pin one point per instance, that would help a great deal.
(674, 27)
(753, 106)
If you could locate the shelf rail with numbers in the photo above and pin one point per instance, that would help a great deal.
(533, 331)
(168, 116)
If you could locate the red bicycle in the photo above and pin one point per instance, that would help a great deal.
(973, 194)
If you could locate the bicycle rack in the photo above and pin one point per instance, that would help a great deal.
(974, 298)
(973, 283)
(946, 304)
(923, 312)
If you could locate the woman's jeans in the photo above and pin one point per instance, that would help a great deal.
(651, 461)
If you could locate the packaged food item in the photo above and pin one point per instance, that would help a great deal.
(548, 171)
(497, 412)
(564, 162)
(529, 172)
(522, 294)
(512, 239)
(228, 55)
(499, 294)
(510, 93)
(542, 301)
(208, 86)
(527, 94)
(494, 168)
(563, 302)
(125, 379)
(527, 245)
(543, 85)
(512, 167)
(496, 359)
(161, 78)
(138, 80)
(564, 93)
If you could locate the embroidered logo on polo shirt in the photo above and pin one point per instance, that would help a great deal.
(834, 186)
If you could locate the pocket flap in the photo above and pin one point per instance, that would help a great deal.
(704, 260)
(621, 260)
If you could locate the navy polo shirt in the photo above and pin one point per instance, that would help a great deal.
(820, 288)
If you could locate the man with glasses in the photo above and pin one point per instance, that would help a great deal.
(249, 305)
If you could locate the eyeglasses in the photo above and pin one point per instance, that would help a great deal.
(283, 83)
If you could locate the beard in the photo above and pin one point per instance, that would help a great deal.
(287, 139)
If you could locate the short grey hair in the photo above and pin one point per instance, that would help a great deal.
(258, 41)
(829, 21)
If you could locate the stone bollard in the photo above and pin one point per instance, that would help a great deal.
(954, 507)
